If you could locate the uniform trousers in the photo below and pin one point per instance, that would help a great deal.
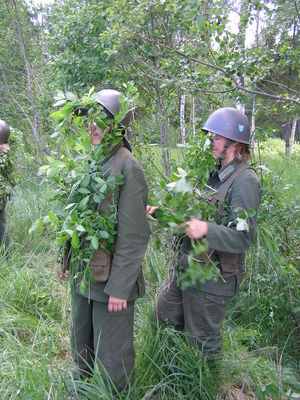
(198, 313)
(4, 233)
(97, 334)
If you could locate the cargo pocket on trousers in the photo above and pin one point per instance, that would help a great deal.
(215, 308)
(100, 265)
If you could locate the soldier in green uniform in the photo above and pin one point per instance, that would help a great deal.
(103, 316)
(201, 313)
(5, 181)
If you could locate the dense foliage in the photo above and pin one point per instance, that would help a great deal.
(80, 182)
(260, 342)
(181, 59)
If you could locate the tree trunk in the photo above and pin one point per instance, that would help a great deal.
(192, 118)
(242, 40)
(287, 138)
(163, 131)
(182, 120)
(293, 134)
(253, 120)
(19, 33)
(253, 125)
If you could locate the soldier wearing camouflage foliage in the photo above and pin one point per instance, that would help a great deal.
(6, 182)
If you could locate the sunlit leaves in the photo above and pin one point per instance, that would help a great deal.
(179, 183)
(78, 183)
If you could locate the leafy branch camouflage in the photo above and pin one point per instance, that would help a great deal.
(7, 169)
(79, 185)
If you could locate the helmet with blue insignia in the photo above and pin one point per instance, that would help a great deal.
(229, 123)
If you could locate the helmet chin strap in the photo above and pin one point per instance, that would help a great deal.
(223, 154)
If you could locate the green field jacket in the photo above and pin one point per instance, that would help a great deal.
(244, 193)
(126, 279)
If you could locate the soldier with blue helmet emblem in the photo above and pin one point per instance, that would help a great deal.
(201, 313)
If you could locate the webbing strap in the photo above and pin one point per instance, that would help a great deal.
(218, 197)
(117, 163)
(118, 160)
(223, 189)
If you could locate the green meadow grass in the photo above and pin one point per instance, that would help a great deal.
(35, 315)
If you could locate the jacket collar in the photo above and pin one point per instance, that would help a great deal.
(226, 171)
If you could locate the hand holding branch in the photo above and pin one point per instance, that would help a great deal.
(194, 228)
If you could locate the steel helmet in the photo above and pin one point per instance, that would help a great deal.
(229, 123)
(4, 132)
(110, 100)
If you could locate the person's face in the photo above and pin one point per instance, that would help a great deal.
(218, 145)
(97, 134)
(4, 147)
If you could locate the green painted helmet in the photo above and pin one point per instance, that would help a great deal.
(229, 123)
(110, 100)
(4, 132)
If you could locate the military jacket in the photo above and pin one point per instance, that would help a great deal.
(6, 181)
(126, 279)
(244, 193)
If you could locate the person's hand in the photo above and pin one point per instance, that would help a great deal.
(62, 276)
(116, 305)
(151, 209)
(194, 228)
(4, 147)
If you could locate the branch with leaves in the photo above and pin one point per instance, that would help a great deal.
(78, 182)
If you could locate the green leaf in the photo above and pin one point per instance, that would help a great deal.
(75, 240)
(104, 234)
(83, 286)
(103, 188)
(91, 90)
(61, 240)
(71, 96)
(70, 205)
(59, 103)
(119, 180)
(43, 169)
(99, 180)
(97, 199)
(59, 95)
(95, 242)
(83, 190)
(52, 216)
(52, 171)
(251, 212)
(152, 202)
(84, 202)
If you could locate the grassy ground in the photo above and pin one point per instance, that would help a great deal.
(35, 316)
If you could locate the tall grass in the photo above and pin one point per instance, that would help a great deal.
(33, 329)
(259, 360)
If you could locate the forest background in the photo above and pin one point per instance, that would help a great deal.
(178, 61)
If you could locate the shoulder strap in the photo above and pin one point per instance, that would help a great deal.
(116, 164)
(118, 160)
(223, 189)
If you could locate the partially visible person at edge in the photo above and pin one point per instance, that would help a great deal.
(201, 313)
(103, 317)
(6, 183)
